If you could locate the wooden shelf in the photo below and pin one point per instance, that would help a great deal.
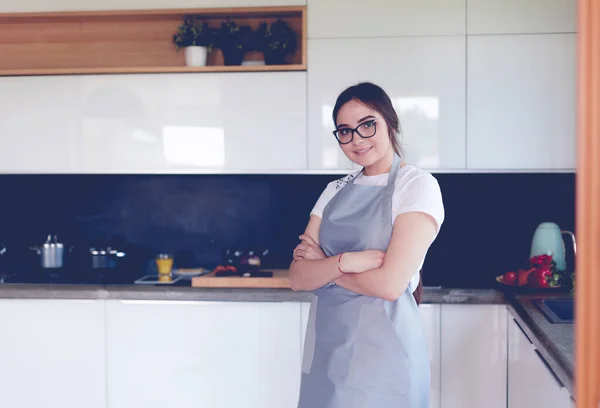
(149, 70)
(128, 41)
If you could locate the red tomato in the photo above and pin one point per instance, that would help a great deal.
(510, 278)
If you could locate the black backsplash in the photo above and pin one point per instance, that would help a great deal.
(490, 218)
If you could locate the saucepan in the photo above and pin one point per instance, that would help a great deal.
(51, 252)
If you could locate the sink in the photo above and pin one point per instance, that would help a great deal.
(556, 310)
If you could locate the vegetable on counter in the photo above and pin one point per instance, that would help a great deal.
(540, 272)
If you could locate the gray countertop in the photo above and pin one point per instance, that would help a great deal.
(554, 341)
(149, 292)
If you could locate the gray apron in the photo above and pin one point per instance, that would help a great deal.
(362, 351)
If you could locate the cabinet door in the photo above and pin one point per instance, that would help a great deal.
(521, 102)
(384, 18)
(52, 353)
(74, 5)
(212, 122)
(203, 354)
(39, 129)
(424, 77)
(431, 318)
(474, 356)
(531, 383)
(521, 16)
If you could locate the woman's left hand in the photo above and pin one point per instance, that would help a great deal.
(308, 249)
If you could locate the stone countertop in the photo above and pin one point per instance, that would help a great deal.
(150, 292)
(555, 342)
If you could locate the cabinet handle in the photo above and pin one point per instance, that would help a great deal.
(523, 331)
(168, 302)
(561, 385)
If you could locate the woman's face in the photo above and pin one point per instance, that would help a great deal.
(362, 151)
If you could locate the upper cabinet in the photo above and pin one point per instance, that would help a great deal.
(75, 5)
(521, 16)
(39, 124)
(217, 122)
(424, 76)
(384, 18)
(521, 102)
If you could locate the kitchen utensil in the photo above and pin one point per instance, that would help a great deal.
(279, 279)
(157, 280)
(547, 240)
(51, 252)
(191, 272)
(105, 257)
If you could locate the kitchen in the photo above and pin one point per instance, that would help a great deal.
(117, 159)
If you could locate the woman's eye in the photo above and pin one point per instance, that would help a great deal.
(369, 123)
(344, 132)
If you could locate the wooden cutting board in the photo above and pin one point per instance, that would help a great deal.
(280, 280)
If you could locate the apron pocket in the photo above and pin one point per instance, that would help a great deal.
(379, 361)
(310, 337)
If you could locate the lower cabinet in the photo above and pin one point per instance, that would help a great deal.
(474, 356)
(431, 317)
(155, 354)
(530, 382)
(52, 353)
(203, 354)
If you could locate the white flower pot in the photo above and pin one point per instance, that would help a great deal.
(195, 56)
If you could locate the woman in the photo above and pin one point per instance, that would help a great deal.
(361, 254)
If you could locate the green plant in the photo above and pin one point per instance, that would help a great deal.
(194, 32)
(234, 41)
(234, 37)
(276, 40)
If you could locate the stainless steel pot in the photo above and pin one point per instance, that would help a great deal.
(51, 252)
(106, 257)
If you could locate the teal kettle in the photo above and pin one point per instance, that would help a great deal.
(547, 240)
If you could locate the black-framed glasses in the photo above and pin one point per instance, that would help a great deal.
(365, 130)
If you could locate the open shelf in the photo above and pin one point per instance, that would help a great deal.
(129, 41)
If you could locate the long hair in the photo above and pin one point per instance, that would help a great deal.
(377, 99)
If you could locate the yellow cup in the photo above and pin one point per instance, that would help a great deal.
(164, 264)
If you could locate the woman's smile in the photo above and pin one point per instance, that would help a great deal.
(362, 150)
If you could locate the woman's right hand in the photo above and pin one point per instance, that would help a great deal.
(361, 261)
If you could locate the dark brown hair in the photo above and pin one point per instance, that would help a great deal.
(377, 99)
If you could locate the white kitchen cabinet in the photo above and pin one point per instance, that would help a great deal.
(424, 77)
(167, 123)
(39, 124)
(217, 122)
(521, 16)
(521, 102)
(384, 18)
(74, 5)
(530, 382)
(203, 354)
(52, 353)
(474, 356)
(431, 318)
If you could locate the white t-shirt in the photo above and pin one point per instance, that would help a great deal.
(414, 190)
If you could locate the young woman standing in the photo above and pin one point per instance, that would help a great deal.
(361, 254)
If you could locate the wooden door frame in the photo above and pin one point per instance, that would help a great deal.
(587, 281)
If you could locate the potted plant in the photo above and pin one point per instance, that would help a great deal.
(234, 41)
(197, 38)
(277, 40)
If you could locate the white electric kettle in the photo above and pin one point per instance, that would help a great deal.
(547, 240)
